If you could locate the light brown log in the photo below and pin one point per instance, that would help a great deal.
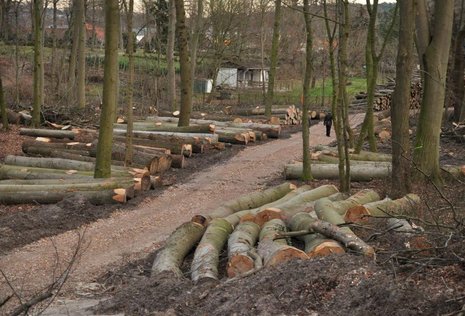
(233, 137)
(252, 200)
(385, 208)
(183, 138)
(331, 171)
(119, 195)
(363, 155)
(454, 171)
(206, 256)
(316, 245)
(40, 151)
(359, 198)
(276, 251)
(151, 126)
(178, 245)
(47, 133)
(174, 147)
(58, 145)
(240, 243)
(327, 226)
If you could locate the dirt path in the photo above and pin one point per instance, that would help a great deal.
(126, 236)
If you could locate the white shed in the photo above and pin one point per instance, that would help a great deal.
(233, 75)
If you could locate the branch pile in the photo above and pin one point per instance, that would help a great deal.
(257, 230)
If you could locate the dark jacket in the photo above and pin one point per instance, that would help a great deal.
(328, 119)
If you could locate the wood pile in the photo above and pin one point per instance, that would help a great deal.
(383, 95)
(255, 230)
(284, 116)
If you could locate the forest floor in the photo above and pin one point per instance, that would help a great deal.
(118, 245)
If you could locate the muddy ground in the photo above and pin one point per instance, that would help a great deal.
(398, 282)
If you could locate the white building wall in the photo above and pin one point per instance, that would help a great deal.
(227, 77)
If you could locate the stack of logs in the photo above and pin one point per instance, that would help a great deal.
(284, 116)
(383, 95)
(57, 165)
(257, 229)
(365, 166)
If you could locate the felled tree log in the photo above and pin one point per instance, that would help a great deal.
(151, 126)
(363, 155)
(177, 148)
(385, 208)
(178, 245)
(178, 161)
(47, 133)
(240, 244)
(297, 204)
(233, 137)
(359, 198)
(454, 171)
(156, 162)
(315, 244)
(326, 213)
(119, 195)
(182, 138)
(207, 253)
(275, 251)
(330, 171)
(60, 145)
(253, 200)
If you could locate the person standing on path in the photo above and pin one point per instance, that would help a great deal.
(328, 122)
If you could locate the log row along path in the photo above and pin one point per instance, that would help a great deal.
(130, 235)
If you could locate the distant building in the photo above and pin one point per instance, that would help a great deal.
(242, 75)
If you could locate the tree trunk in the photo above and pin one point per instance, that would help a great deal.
(110, 88)
(81, 55)
(458, 81)
(385, 208)
(330, 171)
(273, 58)
(3, 112)
(178, 245)
(171, 79)
(38, 92)
(46, 133)
(206, 256)
(435, 58)
(276, 251)
(306, 166)
(75, 23)
(400, 105)
(196, 37)
(240, 244)
(130, 89)
(186, 79)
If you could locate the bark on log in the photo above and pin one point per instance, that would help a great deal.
(275, 251)
(206, 256)
(385, 208)
(253, 200)
(174, 147)
(331, 171)
(60, 145)
(39, 151)
(178, 245)
(240, 244)
(119, 195)
(359, 198)
(363, 155)
(315, 244)
(182, 138)
(327, 226)
(151, 126)
(233, 137)
(46, 133)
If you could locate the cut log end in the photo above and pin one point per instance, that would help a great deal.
(239, 264)
(356, 214)
(268, 214)
(247, 218)
(326, 248)
(286, 254)
(199, 219)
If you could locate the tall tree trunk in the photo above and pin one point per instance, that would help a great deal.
(343, 99)
(54, 41)
(273, 59)
(38, 92)
(400, 105)
(170, 56)
(130, 88)
(3, 107)
(186, 80)
(458, 82)
(17, 98)
(110, 96)
(73, 53)
(338, 125)
(307, 172)
(81, 69)
(435, 58)
(196, 37)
